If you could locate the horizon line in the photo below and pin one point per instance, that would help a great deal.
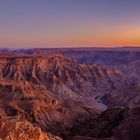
(83, 47)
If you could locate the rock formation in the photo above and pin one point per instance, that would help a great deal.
(13, 129)
(56, 94)
(112, 124)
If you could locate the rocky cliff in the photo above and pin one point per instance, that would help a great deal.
(54, 92)
(112, 124)
(13, 129)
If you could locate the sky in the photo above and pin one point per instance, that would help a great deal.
(69, 23)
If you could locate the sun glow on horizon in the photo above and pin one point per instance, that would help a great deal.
(69, 24)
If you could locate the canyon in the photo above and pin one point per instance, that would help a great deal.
(70, 94)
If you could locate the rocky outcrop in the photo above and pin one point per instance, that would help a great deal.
(113, 124)
(99, 126)
(55, 93)
(12, 129)
(123, 97)
(131, 69)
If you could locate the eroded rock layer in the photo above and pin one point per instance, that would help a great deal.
(54, 93)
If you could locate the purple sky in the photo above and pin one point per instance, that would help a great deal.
(69, 23)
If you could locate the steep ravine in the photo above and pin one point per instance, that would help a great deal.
(54, 92)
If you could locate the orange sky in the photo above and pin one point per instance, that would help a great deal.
(69, 24)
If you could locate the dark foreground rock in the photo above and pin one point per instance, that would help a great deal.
(113, 124)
